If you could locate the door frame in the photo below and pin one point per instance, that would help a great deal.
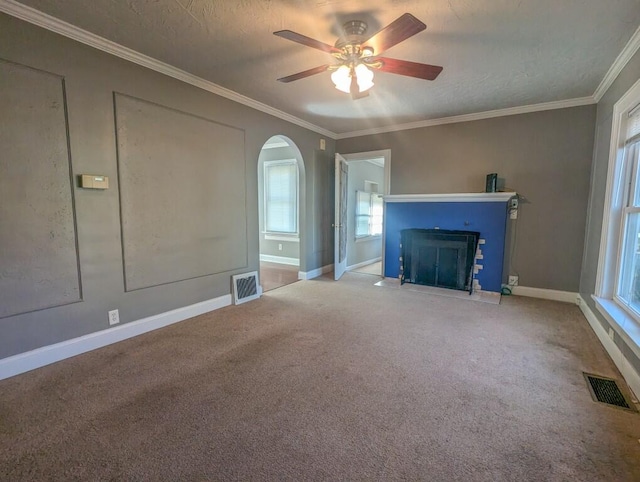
(386, 188)
(302, 197)
(341, 167)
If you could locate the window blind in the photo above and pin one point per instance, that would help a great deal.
(633, 126)
(281, 183)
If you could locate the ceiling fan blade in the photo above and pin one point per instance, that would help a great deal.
(306, 73)
(400, 29)
(410, 69)
(308, 41)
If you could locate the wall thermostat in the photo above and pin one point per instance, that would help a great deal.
(92, 181)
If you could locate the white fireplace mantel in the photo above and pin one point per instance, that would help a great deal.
(464, 197)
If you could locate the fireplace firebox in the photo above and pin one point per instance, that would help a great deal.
(438, 257)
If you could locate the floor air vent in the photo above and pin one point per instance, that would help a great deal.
(605, 390)
(245, 287)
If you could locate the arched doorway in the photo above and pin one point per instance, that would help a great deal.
(281, 197)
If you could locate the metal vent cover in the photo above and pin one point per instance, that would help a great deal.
(245, 287)
(605, 390)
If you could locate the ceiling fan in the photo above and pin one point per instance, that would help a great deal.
(356, 54)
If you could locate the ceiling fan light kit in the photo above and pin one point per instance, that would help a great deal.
(344, 75)
(356, 55)
(341, 78)
(364, 77)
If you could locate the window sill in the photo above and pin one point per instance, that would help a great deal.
(362, 239)
(291, 238)
(622, 322)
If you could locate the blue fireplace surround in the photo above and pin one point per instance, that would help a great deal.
(486, 213)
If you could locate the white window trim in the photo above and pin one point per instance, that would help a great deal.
(621, 320)
(368, 237)
(369, 187)
(291, 238)
(278, 235)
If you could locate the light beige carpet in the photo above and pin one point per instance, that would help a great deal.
(324, 380)
(481, 296)
(373, 268)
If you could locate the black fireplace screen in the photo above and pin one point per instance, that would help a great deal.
(438, 257)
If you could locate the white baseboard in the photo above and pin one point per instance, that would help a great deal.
(314, 273)
(24, 362)
(555, 295)
(631, 376)
(364, 263)
(280, 260)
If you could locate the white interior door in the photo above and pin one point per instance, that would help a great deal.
(340, 223)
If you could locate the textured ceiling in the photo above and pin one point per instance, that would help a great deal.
(495, 53)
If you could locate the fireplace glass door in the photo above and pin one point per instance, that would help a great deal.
(439, 257)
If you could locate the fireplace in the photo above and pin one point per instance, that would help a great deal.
(438, 257)
(485, 213)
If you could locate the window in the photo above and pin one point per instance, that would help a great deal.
(368, 214)
(617, 294)
(627, 290)
(281, 197)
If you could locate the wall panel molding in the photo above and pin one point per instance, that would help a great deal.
(40, 264)
(181, 181)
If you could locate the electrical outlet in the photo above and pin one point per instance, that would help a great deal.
(114, 317)
(513, 208)
(279, 246)
(513, 281)
(611, 333)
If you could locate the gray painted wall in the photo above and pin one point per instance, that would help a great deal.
(39, 258)
(604, 121)
(544, 156)
(199, 206)
(367, 248)
(175, 172)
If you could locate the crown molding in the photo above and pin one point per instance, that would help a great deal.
(621, 61)
(525, 109)
(36, 17)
